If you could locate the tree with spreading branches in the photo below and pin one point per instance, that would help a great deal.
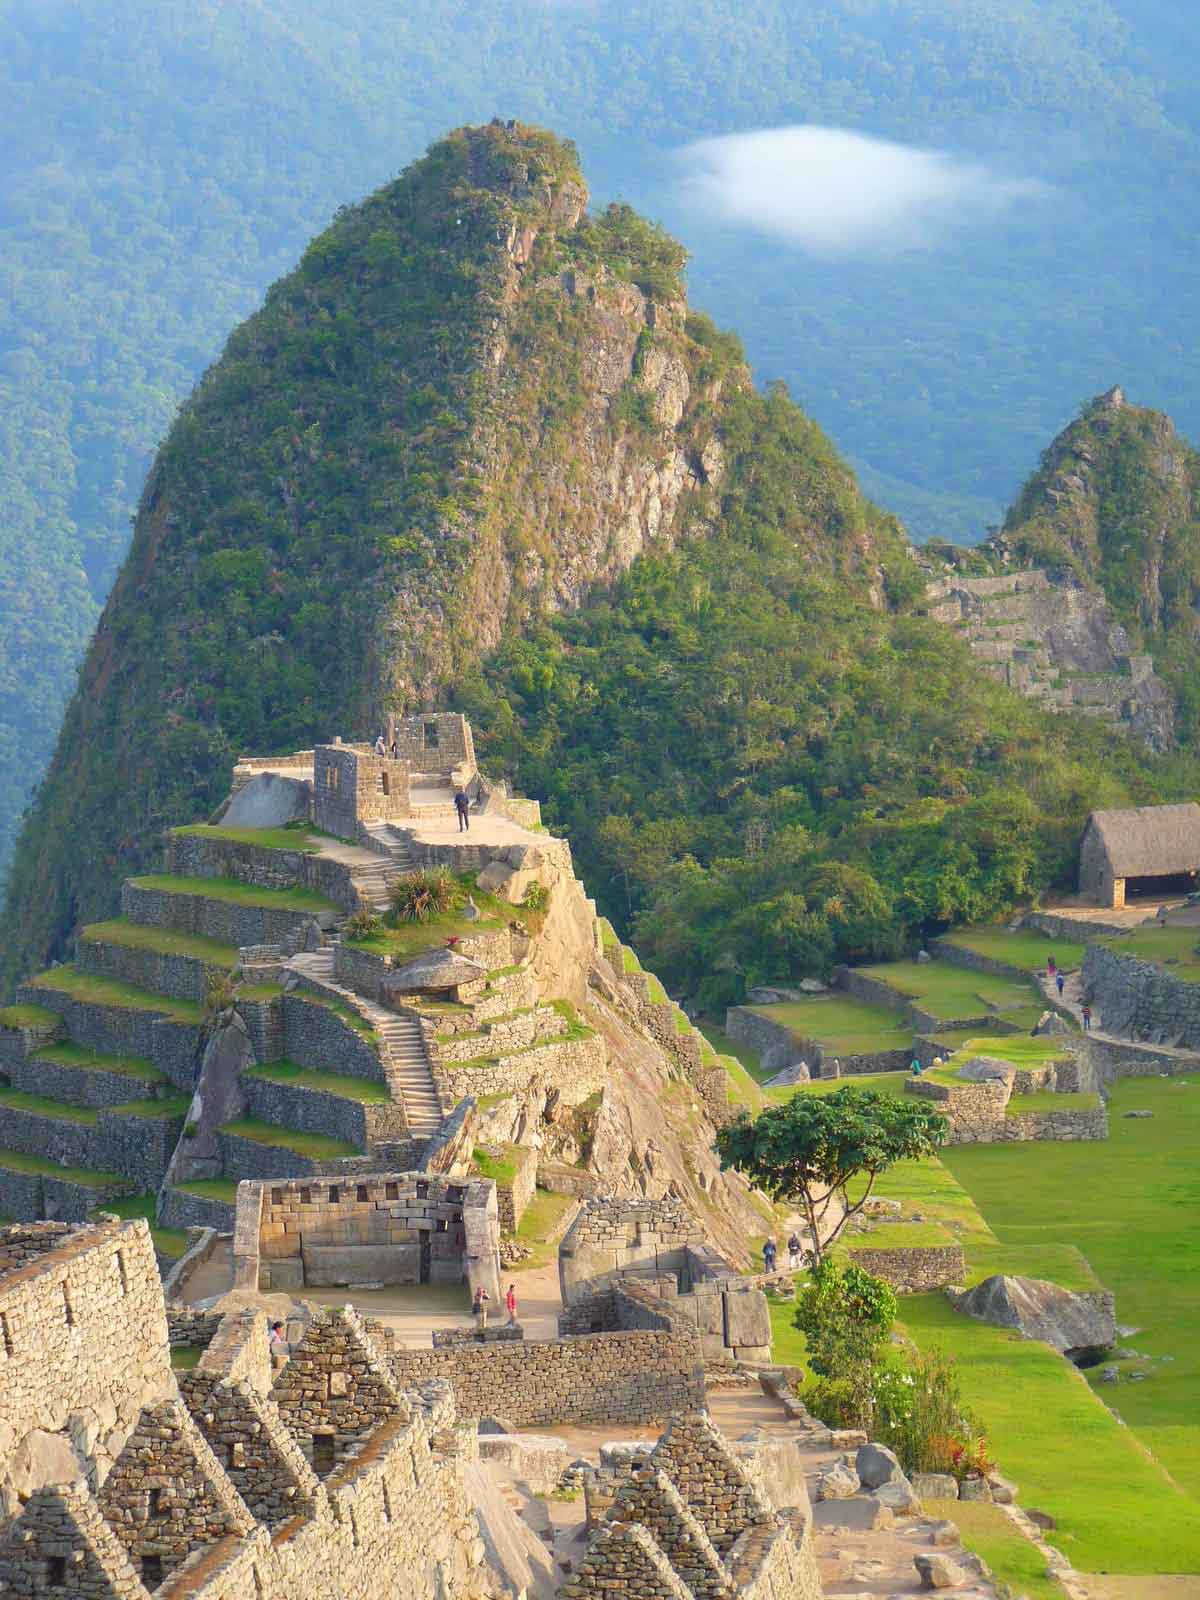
(814, 1149)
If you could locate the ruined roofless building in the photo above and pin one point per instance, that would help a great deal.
(1141, 851)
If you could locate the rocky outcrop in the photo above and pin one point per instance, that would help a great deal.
(1072, 1322)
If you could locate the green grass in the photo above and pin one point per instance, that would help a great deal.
(900, 1236)
(1047, 1100)
(658, 995)
(301, 838)
(884, 1082)
(844, 1026)
(212, 1189)
(316, 1146)
(1027, 948)
(74, 1055)
(185, 1356)
(950, 992)
(500, 1169)
(365, 1090)
(18, 1100)
(1117, 1510)
(162, 941)
(1013, 1558)
(29, 1017)
(231, 891)
(156, 1110)
(167, 1241)
(575, 1031)
(629, 959)
(542, 1217)
(261, 992)
(89, 989)
(408, 939)
(37, 1166)
(1018, 1048)
(1172, 947)
(1129, 1204)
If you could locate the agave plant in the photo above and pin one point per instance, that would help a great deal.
(420, 896)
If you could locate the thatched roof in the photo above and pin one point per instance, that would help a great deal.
(1149, 841)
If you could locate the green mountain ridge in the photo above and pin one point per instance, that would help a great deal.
(477, 446)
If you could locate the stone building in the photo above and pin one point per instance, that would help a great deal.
(1140, 851)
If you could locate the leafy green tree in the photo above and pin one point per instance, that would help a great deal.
(811, 1150)
(846, 1317)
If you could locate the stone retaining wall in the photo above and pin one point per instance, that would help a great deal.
(601, 1380)
(575, 1067)
(315, 1036)
(1116, 1058)
(28, 1196)
(140, 1148)
(314, 1111)
(228, 921)
(914, 1269)
(91, 1087)
(119, 1031)
(1138, 1000)
(19, 1042)
(960, 956)
(194, 856)
(781, 1046)
(1064, 1126)
(1074, 930)
(179, 977)
(182, 1210)
(503, 1035)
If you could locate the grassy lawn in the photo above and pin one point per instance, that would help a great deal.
(28, 1017)
(1027, 948)
(900, 1236)
(262, 992)
(986, 1530)
(1047, 1100)
(950, 992)
(167, 1241)
(18, 1100)
(162, 941)
(233, 892)
(1018, 1048)
(175, 1105)
(542, 1217)
(500, 1168)
(365, 1090)
(842, 1025)
(185, 1356)
(408, 939)
(74, 1055)
(316, 1146)
(89, 989)
(884, 1082)
(1129, 1204)
(1176, 947)
(1117, 1510)
(301, 837)
(223, 1189)
(37, 1166)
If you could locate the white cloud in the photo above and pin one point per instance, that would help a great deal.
(834, 192)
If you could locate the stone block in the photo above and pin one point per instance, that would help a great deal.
(747, 1319)
(332, 1266)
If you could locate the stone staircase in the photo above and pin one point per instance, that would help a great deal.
(403, 1051)
(395, 860)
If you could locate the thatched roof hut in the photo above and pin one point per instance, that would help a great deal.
(1140, 842)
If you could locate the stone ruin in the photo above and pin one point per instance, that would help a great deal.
(628, 1263)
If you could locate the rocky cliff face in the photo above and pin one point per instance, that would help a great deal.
(471, 403)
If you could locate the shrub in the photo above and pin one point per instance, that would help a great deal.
(846, 1316)
(537, 898)
(919, 1413)
(219, 993)
(361, 924)
(420, 896)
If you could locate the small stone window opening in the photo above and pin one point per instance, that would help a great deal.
(431, 736)
(322, 1453)
(152, 1571)
(276, 1197)
(422, 1191)
(387, 1504)
(122, 1274)
(154, 1504)
(362, 1191)
(6, 1344)
(56, 1572)
(68, 1308)
(306, 1197)
(455, 1195)
(333, 776)
(391, 1191)
(441, 1225)
(333, 1193)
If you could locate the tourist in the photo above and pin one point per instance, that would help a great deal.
(462, 804)
(479, 1306)
(1051, 967)
(1061, 982)
(769, 1255)
(381, 746)
(278, 1346)
(795, 1253)
(914, 1067)
(1086, 1017)
(510, 1305)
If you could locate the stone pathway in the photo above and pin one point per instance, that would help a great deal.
(1071, 1000)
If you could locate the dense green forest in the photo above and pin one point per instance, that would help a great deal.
(159, 166)
(761, 774)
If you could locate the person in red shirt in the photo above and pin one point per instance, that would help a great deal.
(510, 1304)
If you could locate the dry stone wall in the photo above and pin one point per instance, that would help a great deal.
(194, 855)
(229, 922)
(915, 1269)
(1138, 1000)
(179, 977)
(576, 1068)
(316, 1036)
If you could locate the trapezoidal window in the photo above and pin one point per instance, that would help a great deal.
(323, 1454)
(152, 1571)
(56, 1572)
(431, 736)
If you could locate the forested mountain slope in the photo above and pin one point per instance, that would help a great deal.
(161, 165)
(470, 405)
